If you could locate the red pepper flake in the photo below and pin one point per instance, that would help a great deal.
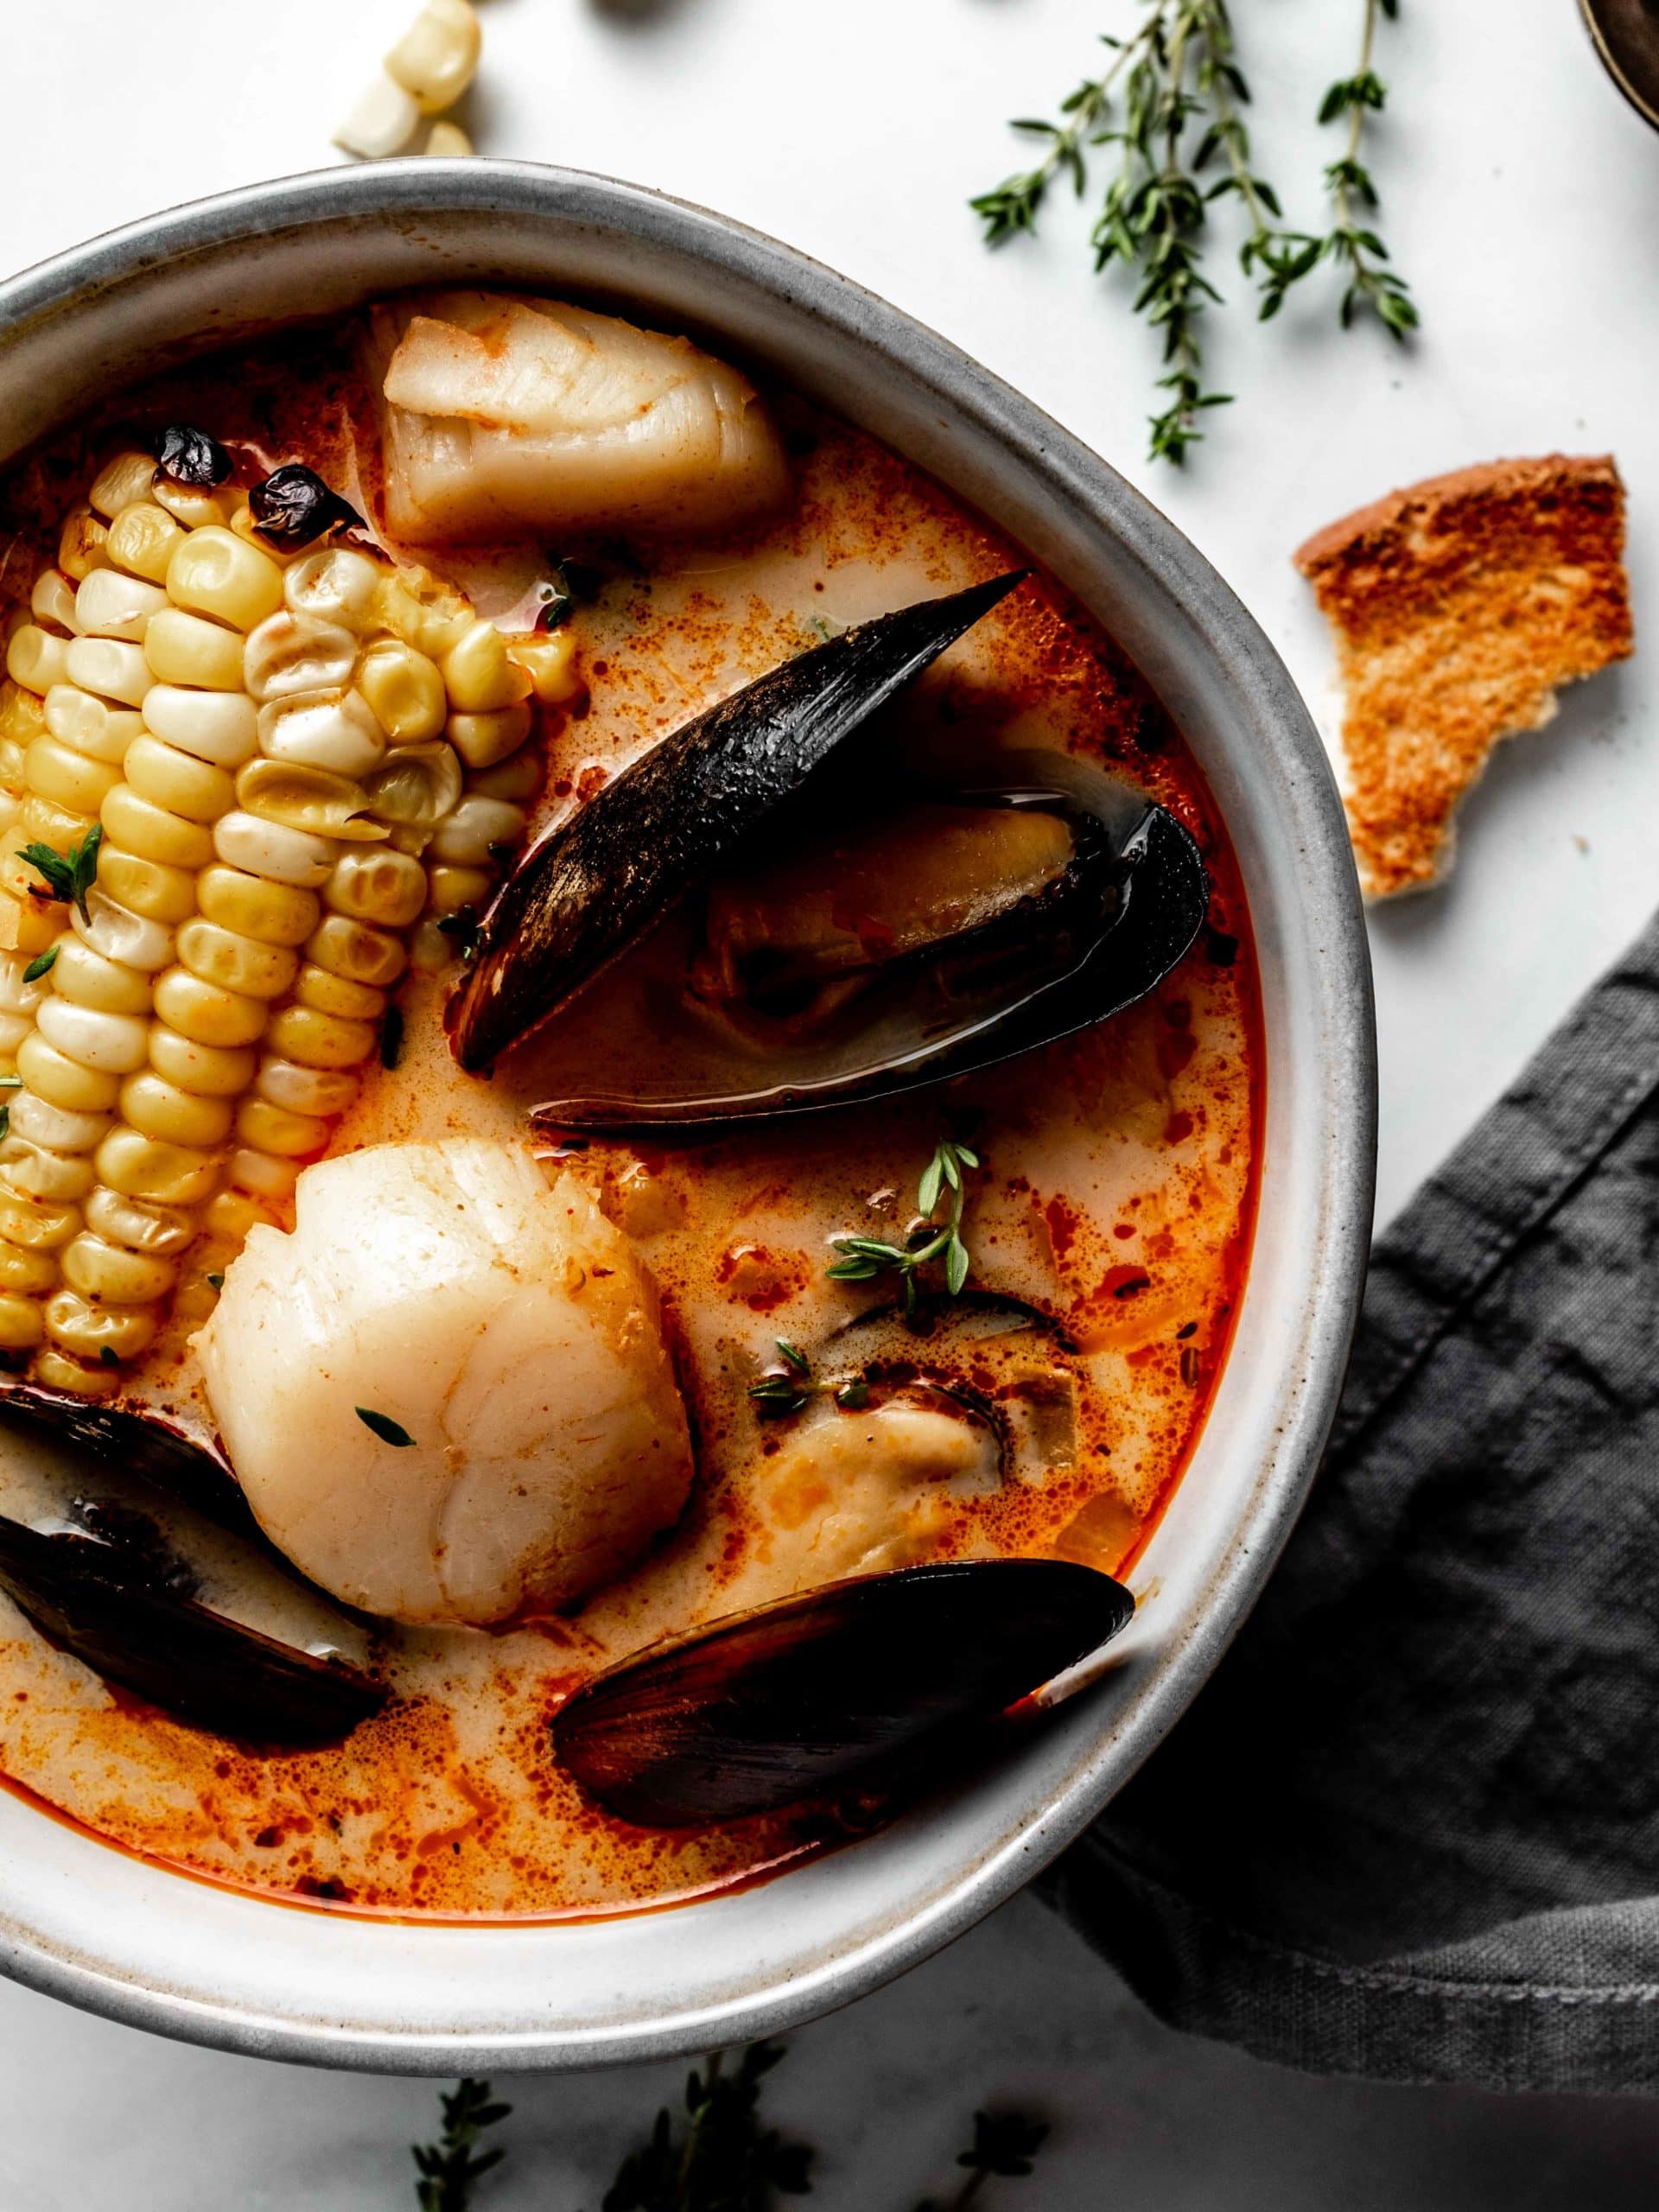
(1124, 1230)
(1177, 1129)
(330, 1891)
(1062, 1224)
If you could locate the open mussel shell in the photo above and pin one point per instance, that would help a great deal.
(136, 1441)
(123, 1607)
(848, 1688)
(587, 892)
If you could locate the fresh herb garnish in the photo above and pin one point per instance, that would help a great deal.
(392, 1036)
(13, 1081)
(389, 1430)
(109, 1356)
(41, 965)
(722, 2159)
(786, 1389)
(462, 930)
(68, 875)
(216, 1280)
(863, 1258)
(1171, 100)
(1004, 2144)
(451, 2168)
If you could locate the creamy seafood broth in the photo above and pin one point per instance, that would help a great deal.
(1116, 1195)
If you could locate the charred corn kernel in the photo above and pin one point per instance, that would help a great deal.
(75, 1325)
(316, 1040)
(548, 659)
(184, 648)
(167, 778)
(207, 1013)
(51, 602)
(383, 122)
(53, 1076)
(86, 979)
(437, 58)
(118, 934)
(41, 1228)
(111, 668)
(273, 1129)
(215, 572)
(120, 482)
(84, 545)
(455, 888)
(153, 890)
(327, 1091)
(405, 688)
(234, 962)
(89, 725)
(30, 1273)
(334, 730)
(138, 1226)
(333, 584)
(482, 740)
(159, 1109)
(69, 779)
(136, 826)
(448, 140)
(194, 508)
(380, 886)
(232, 1214)
(209, 1070)
(110, 1044)
(219, 726)
(100, 1270)
(60, 1177)
(478, 675)
(54, 1128)
(315, 987)
(470, 836)
(166, 1174)
(22, 1325)
(143, 539)
(423, 611)
(265, 1175)
(351, 949)
(110, 604)
(277, 913)
(291, 653)
(37, 658)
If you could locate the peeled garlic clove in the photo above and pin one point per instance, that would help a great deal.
(311, 800)
(383, 122)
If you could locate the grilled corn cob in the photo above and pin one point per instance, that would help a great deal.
(290, 758)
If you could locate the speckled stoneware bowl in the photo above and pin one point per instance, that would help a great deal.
(132, 1941)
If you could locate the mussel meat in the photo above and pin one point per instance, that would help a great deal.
(854, 1687)
(792, 949)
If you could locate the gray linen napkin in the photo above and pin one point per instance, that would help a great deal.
(1411, 1828)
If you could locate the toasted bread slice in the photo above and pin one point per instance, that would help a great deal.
(1459, 606)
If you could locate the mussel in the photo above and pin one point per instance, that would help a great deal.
(789, 948)
(858, 1686)
(101, 1580)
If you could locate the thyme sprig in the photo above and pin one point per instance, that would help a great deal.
(722, 2159)
(791, 1386)
(68, 875)
(1170, 101)
(1004, 2145)
(864, 1258)
(450, 2169)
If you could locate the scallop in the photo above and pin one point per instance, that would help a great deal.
(446, 1392)
(506, 415)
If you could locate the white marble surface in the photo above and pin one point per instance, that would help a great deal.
(1522, 200)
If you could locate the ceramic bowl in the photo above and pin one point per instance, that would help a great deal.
(142, 1945)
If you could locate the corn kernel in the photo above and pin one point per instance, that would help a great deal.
(26, 1274)
(152, 889)
(36, 1121)
(383, 122)
(61, 1178)
(233, 1213)
(381, 887)
(423, 611)
(207, 1013)
(119, 934)
(110, 1044)
(89, 725)
(184, 648)
(316, 1040)
(548, 659)
(205, 1070)
(159, 1109)
(406, 690)
(347, 948)
(194, 508)
(221, 727)
(263, 1174)
(109, 604)
(41, 1228)
(37, 659)
(482, 740)
(107, 1272)
(178, 781)
(120, 482)
(333, 584)
(235, 962)
(471, 835)
(455, 888)
(448, 141)
(306, 1090)
(315, 987)
(437, 58)
(138, 1225)
(335, 730)
(215, 572)
(140, 1166)
(69, 779)
(291, 653)
(273, 1129)
(84, 544)
(86, 978)
(59, 1080)
(21, 1322)
(143, 539)
(61, 1370)
(23, 715)
(134, 825)
(276, 913)
(51, 602)
(478, 675)
(113, 668)
(88, 1331)
(272, 849)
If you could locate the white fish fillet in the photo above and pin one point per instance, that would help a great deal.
(506, 1327)
(506, 415)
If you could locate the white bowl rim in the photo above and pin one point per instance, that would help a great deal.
(196, 2003)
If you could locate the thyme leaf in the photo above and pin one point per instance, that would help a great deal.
(68, 875)
(42, 964)
(864, 1258)
(384, 1426)
(451, 2168)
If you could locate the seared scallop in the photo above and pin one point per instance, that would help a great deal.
(446, 1392)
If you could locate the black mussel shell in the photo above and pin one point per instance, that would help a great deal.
(137, 1441)
(117, 1605)
(842, 1689)
(1132, 901)
(294, 505)
(189, 456)
(622, 862)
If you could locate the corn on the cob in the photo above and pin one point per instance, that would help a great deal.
(291, 761)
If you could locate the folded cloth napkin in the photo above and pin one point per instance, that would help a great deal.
(1411, 1827)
